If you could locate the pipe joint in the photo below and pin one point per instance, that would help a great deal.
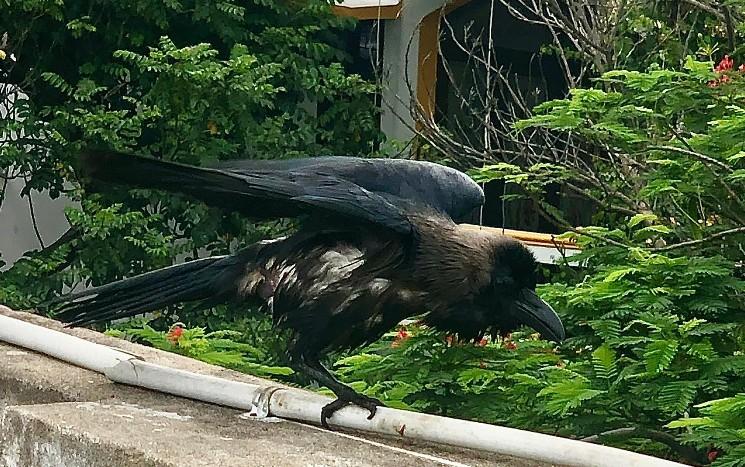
(261, 403)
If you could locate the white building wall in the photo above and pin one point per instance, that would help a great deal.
(17, 235)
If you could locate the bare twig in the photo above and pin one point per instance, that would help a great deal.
(33, 216)
(696, 155)
(701, 5)
(724, 233)
(4, 188)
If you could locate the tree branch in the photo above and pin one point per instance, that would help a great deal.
(697, 155)
(710, 238)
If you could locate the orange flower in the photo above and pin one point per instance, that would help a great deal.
(401, 336)
(175, 334)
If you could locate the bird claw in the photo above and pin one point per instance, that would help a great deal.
(369, 403)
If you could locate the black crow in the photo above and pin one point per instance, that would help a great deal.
(378, 243)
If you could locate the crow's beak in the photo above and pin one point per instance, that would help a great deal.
(539, 315)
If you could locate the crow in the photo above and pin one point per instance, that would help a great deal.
(378, 242)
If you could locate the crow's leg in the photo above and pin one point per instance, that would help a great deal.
(345, 395)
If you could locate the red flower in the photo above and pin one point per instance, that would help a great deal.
(725, 65)
(175, 334)
(450, 339)
(401, 336)
(482, 342)
(712, 454)
(509, 345)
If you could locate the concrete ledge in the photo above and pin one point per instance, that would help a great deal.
(55, 414)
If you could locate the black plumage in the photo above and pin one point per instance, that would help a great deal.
(379, 242)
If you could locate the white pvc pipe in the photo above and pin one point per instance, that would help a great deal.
(463, 433)
(59, 345)
(185, 383)
(306, 406)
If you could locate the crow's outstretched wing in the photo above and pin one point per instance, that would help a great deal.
(442, 189)
(258, 194)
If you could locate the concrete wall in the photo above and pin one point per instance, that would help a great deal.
(54, 414)
(402, 34)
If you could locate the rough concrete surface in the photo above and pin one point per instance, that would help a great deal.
(54, 414)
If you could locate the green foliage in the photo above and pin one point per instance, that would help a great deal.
(430, 372)
(679, 131)
(720, 429)
(216, 348)
(661, 328)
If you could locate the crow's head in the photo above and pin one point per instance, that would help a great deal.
(509, 300)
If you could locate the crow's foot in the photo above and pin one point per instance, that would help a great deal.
(359, 400)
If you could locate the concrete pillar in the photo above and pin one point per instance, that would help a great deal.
(401, 55)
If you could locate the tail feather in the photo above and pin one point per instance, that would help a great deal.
(214, 279)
